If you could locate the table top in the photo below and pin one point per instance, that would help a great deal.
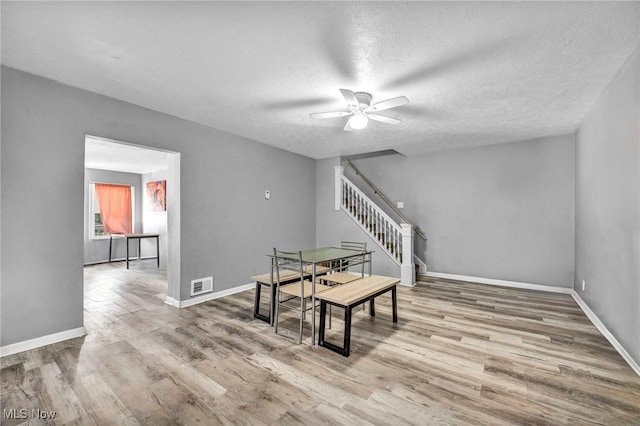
(326, 254)
(138, 235)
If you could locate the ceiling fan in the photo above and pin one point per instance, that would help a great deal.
(361, 110)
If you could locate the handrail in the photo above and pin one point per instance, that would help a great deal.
(384, 198)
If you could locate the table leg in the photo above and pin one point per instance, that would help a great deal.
(274, 294)
(110, 245)
(158, 249)
(139, 250)
(272, 308)
(127, 240)
(313, 305)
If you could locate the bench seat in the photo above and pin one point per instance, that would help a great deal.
(350, 295)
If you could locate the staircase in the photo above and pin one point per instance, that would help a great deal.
(396, 240)
(371, 219)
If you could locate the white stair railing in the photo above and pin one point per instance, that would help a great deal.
(396, 240)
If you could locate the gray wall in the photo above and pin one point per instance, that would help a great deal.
(503, 212)
(97, 250)
(608, 208)
(227, 226)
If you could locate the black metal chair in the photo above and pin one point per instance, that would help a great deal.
(302, 288)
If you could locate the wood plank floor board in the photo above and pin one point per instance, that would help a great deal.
(263, 393)
(442, 408)
(238, 332)
(103, 406)
(461, 354)
(22, 390)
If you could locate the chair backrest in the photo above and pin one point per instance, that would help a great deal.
(289, 261)
(354, 261)
(353, 245)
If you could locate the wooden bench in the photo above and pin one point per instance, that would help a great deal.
(350, 295)
(286, 277)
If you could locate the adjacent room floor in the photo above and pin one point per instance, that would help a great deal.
(460, 354)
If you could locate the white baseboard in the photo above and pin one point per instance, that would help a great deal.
(38, 342)
(206, 297)
(606, 333)
(173, 302)
(501, 283)
(564, 290)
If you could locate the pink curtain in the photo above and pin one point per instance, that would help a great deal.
(115, 207)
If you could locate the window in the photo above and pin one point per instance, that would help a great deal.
(97, 228)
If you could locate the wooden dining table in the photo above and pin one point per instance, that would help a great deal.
(327, 255)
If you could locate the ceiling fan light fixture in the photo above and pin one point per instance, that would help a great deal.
(361, 110)
(358, 121)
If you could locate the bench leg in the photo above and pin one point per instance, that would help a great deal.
(256, 305)
(323, 311)
(394, 303)
(256, 302)
(347, 331)
(372, 307)
(344, 350)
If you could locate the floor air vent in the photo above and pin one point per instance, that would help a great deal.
(201, 285)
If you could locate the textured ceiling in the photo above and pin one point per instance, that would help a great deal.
(475, 72)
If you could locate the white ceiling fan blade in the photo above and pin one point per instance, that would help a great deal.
(350, 97)
(390, 103)
(383, 119)
(330, 114)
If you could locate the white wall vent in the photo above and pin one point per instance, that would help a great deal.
(201, 285)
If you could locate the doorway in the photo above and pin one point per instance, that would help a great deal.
(140, 167)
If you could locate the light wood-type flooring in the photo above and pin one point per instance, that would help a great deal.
(461, 354)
